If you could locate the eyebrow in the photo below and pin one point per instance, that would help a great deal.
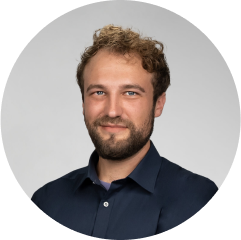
(126, 86)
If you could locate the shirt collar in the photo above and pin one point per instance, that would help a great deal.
(145, 173)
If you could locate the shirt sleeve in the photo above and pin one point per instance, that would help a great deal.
(37, 196)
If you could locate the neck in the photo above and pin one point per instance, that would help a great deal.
(108, 170)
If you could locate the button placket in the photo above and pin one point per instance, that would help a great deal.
(102, 217)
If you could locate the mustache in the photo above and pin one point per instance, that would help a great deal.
(115, 120)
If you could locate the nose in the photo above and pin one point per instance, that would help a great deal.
(113, 106)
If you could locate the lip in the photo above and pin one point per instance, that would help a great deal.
(113, 128)
(113, 125)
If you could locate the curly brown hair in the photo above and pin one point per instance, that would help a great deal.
(125, 41)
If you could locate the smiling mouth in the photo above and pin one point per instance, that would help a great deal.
(113, 128)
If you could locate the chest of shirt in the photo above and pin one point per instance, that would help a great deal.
(124, 211)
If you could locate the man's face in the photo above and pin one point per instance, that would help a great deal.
(118, 104)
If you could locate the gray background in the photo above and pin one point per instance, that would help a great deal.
(43, 129)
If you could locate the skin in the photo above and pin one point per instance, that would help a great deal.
(115, 85)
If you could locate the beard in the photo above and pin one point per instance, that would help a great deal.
(114, 149)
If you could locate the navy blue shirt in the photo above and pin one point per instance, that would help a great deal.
(156, 196)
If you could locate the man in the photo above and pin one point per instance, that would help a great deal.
(128, 190)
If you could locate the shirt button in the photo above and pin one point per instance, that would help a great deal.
(93, 182)
(106, 204)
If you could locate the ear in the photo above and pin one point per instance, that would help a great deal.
(160, 105)
(83, 106)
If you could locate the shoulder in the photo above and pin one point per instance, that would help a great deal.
(181, 193)
(185, 185)
(59, 188)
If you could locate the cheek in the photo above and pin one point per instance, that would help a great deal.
(138, 112)
(138, 108)
(92, 110)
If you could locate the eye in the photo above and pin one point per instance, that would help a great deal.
(132, 92)
(127, 91)
(98, 91)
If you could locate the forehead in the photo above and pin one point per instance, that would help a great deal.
(112, 68)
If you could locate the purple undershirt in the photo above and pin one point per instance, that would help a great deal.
(106, 185)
